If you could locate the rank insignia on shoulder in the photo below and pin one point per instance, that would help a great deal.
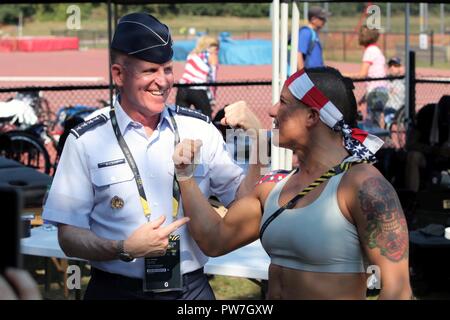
(83, 127)
(192, 113)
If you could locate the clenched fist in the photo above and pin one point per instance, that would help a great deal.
(239, 115)
(185, 157)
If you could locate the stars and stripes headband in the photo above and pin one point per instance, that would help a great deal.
(359, 143)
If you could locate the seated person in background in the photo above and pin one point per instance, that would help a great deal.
(362, 109)
(392, 157)
(319, 241)
(396, 100)
(398, 135)
(396, 87)
(429, 144)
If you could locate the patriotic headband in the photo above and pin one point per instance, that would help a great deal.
(359, 143)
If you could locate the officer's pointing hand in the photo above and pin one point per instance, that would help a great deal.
(185, 157)
(152, 239)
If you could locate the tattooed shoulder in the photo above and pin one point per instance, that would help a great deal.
(386, 227)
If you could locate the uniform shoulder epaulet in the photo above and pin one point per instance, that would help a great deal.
(274, 176)
(83, 127)
(192, 113)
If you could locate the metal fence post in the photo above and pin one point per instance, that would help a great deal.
(111, 87)
(412, 84)
(442, 15)
(431, 47)
(115, 16)
(344, 46)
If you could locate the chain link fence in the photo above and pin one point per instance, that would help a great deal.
(344, 46)
(257, 94)
(427, 89)
(430, 90)
(64, 96)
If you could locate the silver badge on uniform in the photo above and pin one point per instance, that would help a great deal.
(117, 203)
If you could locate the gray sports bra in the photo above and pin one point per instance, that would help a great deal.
(315, 238)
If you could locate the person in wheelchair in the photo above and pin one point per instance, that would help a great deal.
(428, 146)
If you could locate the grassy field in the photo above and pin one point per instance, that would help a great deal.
(93, 32)
(218, 24)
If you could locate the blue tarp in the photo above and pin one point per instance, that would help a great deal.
(234, 52)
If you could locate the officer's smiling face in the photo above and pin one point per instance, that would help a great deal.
(145, 84)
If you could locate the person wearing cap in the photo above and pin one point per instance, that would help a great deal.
(321, 222)
(309, 50)
(392, 110)
(395, 64)
(396, 87)
(114, 196)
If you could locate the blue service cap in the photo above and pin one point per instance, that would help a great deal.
(144, 37)
(395, 61)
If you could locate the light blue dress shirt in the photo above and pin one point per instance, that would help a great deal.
(82, 190)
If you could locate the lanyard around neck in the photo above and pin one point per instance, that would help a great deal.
(342, 167)
(137, 177)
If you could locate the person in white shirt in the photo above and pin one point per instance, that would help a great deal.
(201, 67)
(373, 66)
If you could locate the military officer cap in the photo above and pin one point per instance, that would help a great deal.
(144, 37)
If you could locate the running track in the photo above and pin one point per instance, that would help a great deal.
(93, 64)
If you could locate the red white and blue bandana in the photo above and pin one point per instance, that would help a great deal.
(359, 143)
(274, 176)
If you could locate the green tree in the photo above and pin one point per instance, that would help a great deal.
(9, 14)
(58, 11)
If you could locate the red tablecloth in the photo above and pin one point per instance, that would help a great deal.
(8, 44)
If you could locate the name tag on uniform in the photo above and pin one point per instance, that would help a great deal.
(164, 273)
(110, 163)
